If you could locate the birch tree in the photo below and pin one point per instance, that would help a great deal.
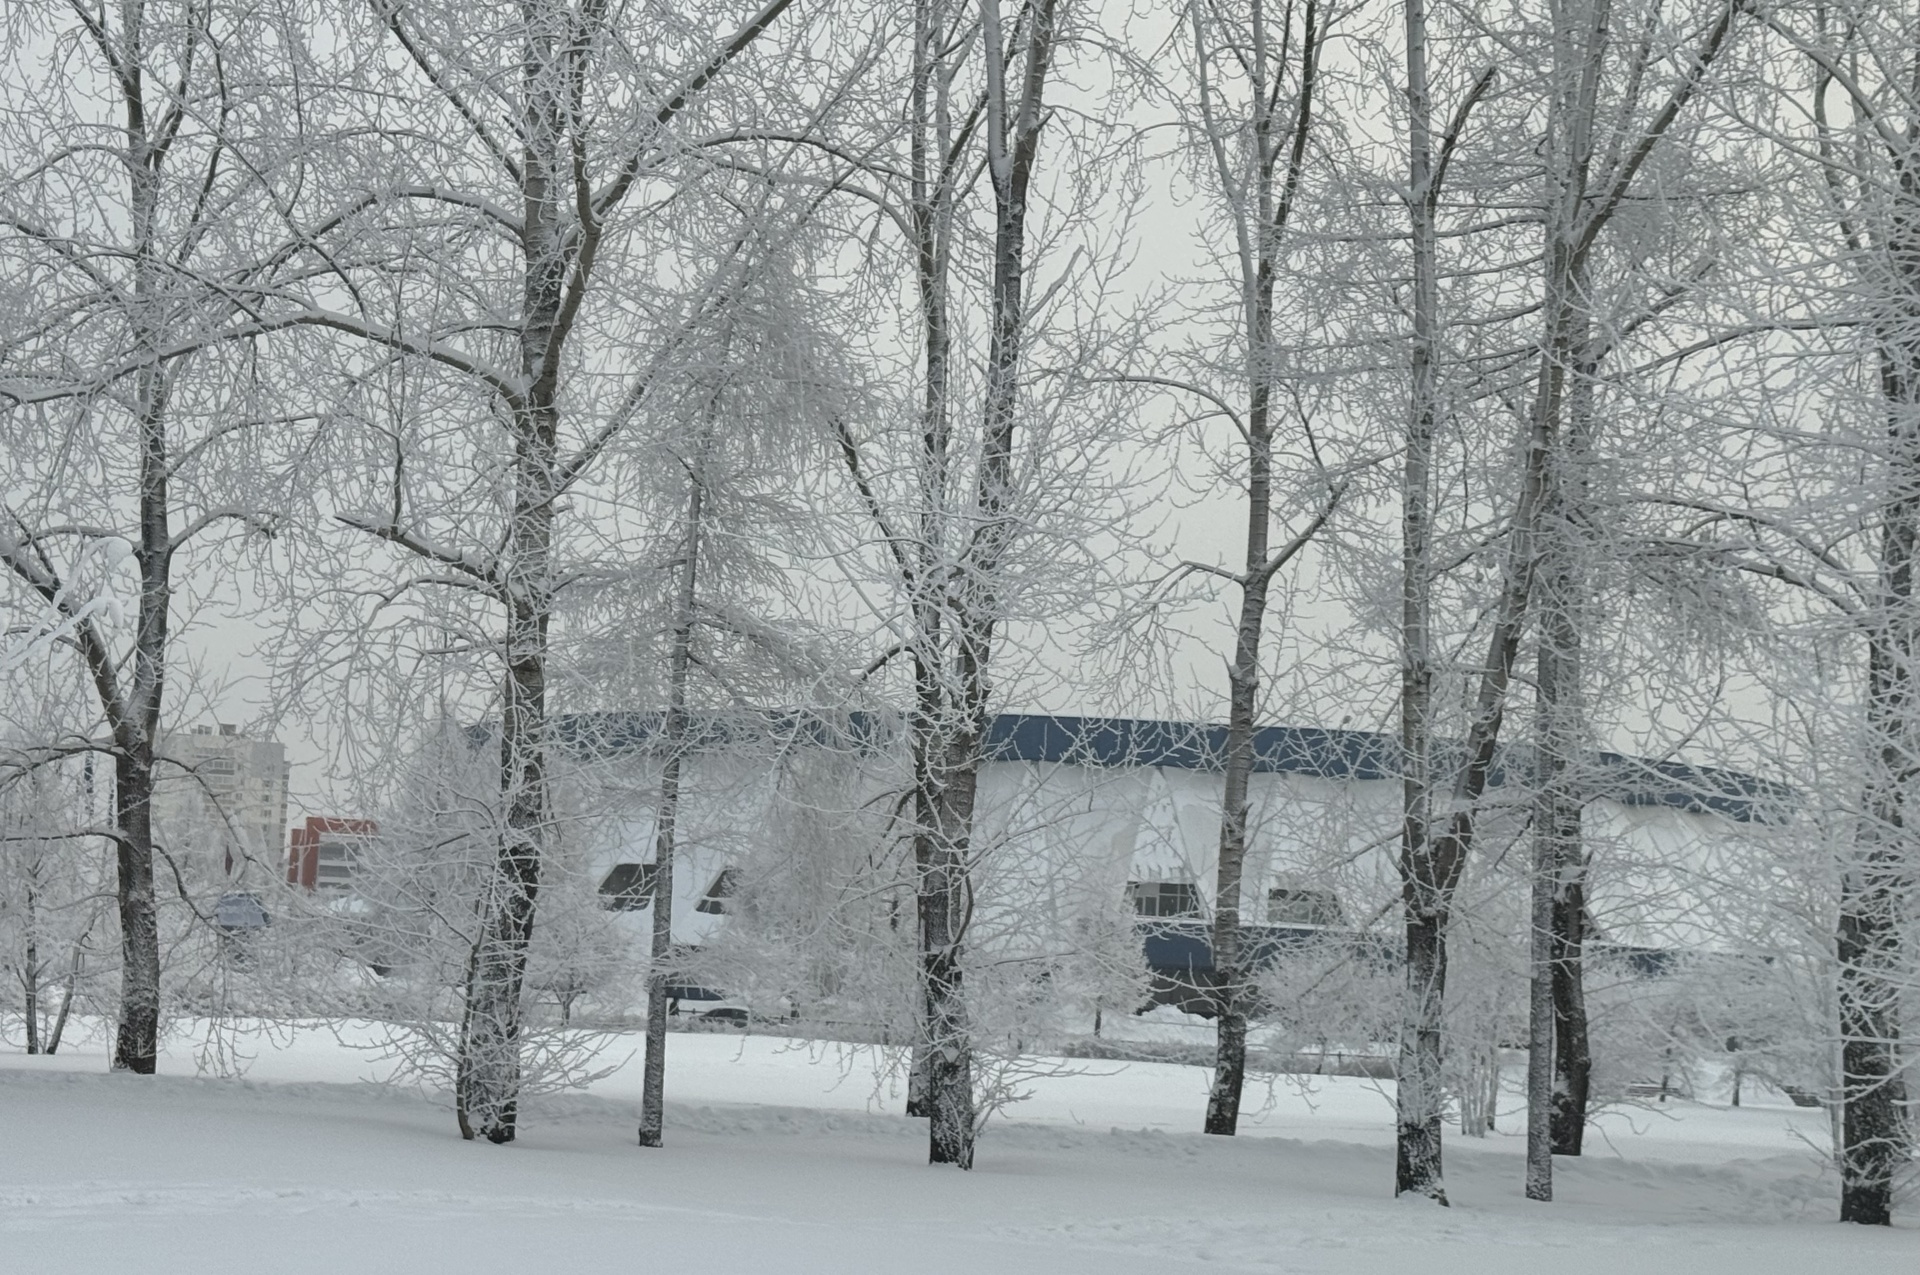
(1586, 182)
(753, 387)
(674, 742)
(1856, 136)
(1251, 110)
(964, 506)
(135, 152)
(513, 235)
(1615, 107)
(1429, 870)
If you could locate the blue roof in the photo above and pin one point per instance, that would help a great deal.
(1350, 755)
(1134, 742)
(1126, 742)
(1733, 794)
(617, 732)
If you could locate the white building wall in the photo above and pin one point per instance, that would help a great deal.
(1055, 840)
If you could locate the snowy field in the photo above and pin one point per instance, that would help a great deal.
(778, 1160)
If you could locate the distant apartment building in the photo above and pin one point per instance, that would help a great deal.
(223, 798)
(325, 853)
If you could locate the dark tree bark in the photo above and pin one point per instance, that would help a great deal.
(1417, 1141)
(957, 607)
(1560, 1066)
(488, 1075)
(1432, 859)
(1587, 177)
(945, 904)
(1260, 198)
(934, 157)
(1871, 170)
(567, 193)
(674, 738)
(136, 1037)
(1539, 1175)
(1879, 872)
(30, 969)
(1572, 1050)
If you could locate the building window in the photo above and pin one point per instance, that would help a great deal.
(629, 887)
(1289, 906)
(715, 900)
(217, 766)
(1164, 898)
(336, 861)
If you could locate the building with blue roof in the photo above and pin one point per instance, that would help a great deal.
(1083, 818)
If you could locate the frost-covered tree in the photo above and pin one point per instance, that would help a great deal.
(502, 338)
(755, 390)
(55, 885)
(1251, 101)
(1586, 180)
(968, 495)
(1837, 526)
(395, 942)
(138, 243)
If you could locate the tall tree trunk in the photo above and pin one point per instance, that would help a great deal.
(946, 904)
(1572, 1050)
(1432, 863)
(136, 1037)
(1558, 1064)
(487, 1100)
(1243, 679)
(1877, 210)
(931, 210)
(1874, 1139)
(1431, 867)
(1558, 1022)
(135, 718)
(1431, 860)
(1279, 147)
(136, 736)
(1539, 1185)
(1417, 1138)
(970, 596)
(1581, 39)
(653, 1084)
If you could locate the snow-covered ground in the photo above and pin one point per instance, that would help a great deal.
(779, 1159)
